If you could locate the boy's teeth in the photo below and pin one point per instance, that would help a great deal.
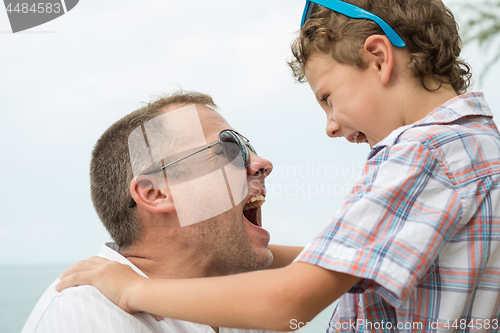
(355, 137)
(255, 202)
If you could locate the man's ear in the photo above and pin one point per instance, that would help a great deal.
(156, 199)
(379, 55)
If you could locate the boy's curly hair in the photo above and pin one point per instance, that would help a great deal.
(426, 26)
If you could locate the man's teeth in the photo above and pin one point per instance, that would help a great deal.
(254, 202)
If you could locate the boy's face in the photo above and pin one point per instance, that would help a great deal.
(352, 99)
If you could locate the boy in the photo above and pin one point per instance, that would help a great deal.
(416, 244)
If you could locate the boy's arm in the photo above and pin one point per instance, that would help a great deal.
(267, 299)
(284, 255)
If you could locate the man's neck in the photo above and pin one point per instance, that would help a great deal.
(164, 264)
(168, 264)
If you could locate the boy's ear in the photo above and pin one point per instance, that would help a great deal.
(379, 55)
(154, 199)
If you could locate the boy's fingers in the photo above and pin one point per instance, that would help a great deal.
(158, 318)
(99, 259)
(84, 265)
(75, 279)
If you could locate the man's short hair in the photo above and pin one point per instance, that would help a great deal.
(427, 27)
(111, 170)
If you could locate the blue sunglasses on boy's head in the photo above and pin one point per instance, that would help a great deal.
(354, 12)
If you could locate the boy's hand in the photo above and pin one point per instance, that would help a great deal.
(114, 280)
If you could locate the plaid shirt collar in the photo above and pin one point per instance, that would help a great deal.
(466, 105)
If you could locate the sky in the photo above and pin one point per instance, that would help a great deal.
(65, 82)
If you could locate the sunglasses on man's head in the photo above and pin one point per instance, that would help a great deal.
(233, 145)
(352, 11)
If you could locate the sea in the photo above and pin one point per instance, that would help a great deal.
(20, 289)
(22, 286)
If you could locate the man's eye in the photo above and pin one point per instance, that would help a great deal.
(218, 152)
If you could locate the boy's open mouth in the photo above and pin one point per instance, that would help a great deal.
(359, 137)
(252, 207)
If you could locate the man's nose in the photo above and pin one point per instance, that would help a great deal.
(259, 166)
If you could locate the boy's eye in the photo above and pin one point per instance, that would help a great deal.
(325, 98)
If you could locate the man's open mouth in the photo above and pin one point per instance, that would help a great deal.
(252, 207)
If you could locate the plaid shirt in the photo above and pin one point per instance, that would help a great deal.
(421, 227)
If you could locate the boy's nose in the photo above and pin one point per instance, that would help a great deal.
(332, 128)
(259, 166)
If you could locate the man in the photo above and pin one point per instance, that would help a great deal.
(180, 193)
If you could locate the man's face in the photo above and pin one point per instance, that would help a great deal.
(233, 241)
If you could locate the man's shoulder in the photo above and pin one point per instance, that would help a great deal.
(85, 309)
(61, 308)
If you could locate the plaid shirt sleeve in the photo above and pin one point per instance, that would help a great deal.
(393, 223)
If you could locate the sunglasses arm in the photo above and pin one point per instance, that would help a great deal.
(183, 158)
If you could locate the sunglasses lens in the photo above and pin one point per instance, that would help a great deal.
(232, 145)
